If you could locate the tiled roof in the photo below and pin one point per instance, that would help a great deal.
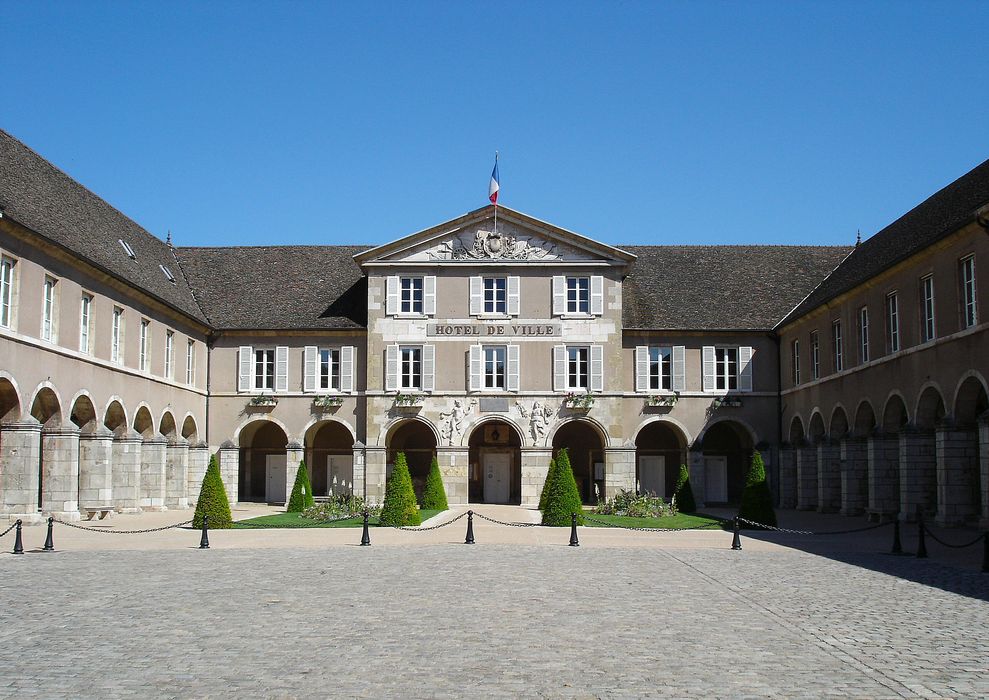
(278, 287)
(39, 196)
(940, 215)
(747, 287)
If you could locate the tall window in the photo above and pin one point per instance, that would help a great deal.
(85, 321)
(815, 356)
(578, 295)
(410, 367)
(892, 322)
(661, 368)
(726, 368)
(927, 328)
(48, 319)
(169, 353)
(864, 334)
(116, 333)
(329, 369)
(970, 315)
(411, 295)
(795, 361)
(142, 358)
(578, 365)
(6, 291)
(190, 362)
(264, 369)
(494, 366)
(836, 346)
(495, 295)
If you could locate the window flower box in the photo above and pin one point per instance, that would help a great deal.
(327, 403)
(263, 401)
(578, 402)
(409, 402)
(662, 400)
(727, 402)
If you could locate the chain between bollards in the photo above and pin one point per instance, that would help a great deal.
(365, 536)
(736, 538)
(204, 540)
(921, 531)
(470, 528)
(49, 542)
(574, 542)
(18, 543)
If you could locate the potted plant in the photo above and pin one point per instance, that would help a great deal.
(408, 402)
(726, 401)
(327, 403)
(578, 402)
(663, 399)
(263, 401)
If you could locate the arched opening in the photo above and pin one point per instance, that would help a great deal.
(839, 424)
(970, 402)
(144, 423)
(83, 413)
(166, 426)
(263, 463)
(660, 449)
(894, 415)
(727, 449)
(115, 418)
(46, 410)
(585, 449)
(865, 420)
(10, 404)
(962, 491)
(495, 457)
(816, 430)
(797, 435)
(189, 430)
(930, 409)
(417, 441)
(330, 458)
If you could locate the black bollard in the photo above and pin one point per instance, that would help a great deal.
(49, 543)
(366, 536)
(18, 543)
(470, 528)
(574, 542)
(897, 546)
(736, 540)
(921, 543)
(985, 553)
(204, 540)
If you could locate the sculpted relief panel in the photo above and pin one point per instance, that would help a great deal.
(509, 242)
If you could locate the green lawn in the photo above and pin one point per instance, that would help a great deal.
(680, 520)
(295, 520)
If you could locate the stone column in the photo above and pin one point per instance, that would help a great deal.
(854, 476)
(884, 476)
(95, 466)
(535, 467)
(153, 473)
(20, 454)
(177, 473)
(619, 470)
(228, 457)
(359, 489)
(788, 477)
(807, 478)
(918, 473)
(454, 463)
(294, 453)
(957, 467)
(375, 464)
(828, 477)
(198, 463)
(60, 470)
(698, 477)
(984, 469)
(127, 446)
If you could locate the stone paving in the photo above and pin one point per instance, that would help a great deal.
(492, 620)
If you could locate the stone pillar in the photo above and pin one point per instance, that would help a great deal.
(294, 453)
(358, 458)
(228, 457)
(828, 477)
(454, 464)
(127, 447)
(698, 477)
(854, 476)
(153, 473)
(177, 473)
(95, 466)
(984, 469)
(20, 454)
(884, 476)
(535, 467)
(788, 477)
(957, 468)
(375, 464)
(807, 478)
(60, 470)
(198, 463)
(619, 470)
(918, 473)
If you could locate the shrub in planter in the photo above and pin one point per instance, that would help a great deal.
(301, 497)
(550, 475)
(212, 499)
(631, 504)
(340, 507)
(400, 499)
(434, 495)
(563, 498)
(683, 495)
(757, 499)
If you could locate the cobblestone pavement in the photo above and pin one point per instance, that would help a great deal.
(489, 621)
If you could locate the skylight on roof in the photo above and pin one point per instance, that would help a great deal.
(168, 273)
(127, 249)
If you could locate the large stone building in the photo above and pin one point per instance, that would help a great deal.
(126, 362)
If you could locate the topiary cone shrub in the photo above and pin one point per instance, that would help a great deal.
(757, 499)
(400, 499)
(547, 485)
(563, 497)
(683, 493)
(213, 500)
(434, 495)
(301, 497)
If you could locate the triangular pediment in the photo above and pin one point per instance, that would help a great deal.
(475, 238)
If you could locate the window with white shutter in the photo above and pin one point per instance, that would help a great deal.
(428, 367)
(475, 368)
(513, 367)
(597, 368)
(559, 295)
(559, 368)
(245, 363)
(679, 368)
(391, 295)
(513, 296)
(641, 368)
(707, 357)
(309, 367)
(745, 368)
(347, 368)
(597, 295)
(391, 368)
(429, 295)
(476, 299)
(281, 368)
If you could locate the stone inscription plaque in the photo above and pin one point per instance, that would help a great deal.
(497, 404)
(494, 330)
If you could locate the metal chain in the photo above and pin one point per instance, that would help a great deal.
(424, 529)
(812, 532)
(955, 546)
(123, 532)
(503, 522)
(651, 529)
(8, 529)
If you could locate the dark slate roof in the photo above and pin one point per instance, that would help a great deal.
(39, 196)
(940, 215)
(747, 287)
(278, 287)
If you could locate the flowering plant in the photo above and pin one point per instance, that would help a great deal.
(663, 399)
(327, 401)
(263, 400)
(408, 399)
(581, 402)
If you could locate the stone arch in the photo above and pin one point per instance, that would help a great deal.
(599, 428)
(930, 408)
(970, 398)
(10, 398)
(838, 427)
(688, 439)
(727, 446)
(865, 419)
(83, 412)
(488, 418)
(660, 449)
(46, 404)
(746, 427)
(390, 427)
(259, 439)
(144, 422)
(329, 455)
(254, 418)
(494, 445)
(895, 414)
(166, 426)
(115, 415)
(190, 431)
(585, 448)
(797, 435)
(816, 432)
(417, 440)
(330, 419)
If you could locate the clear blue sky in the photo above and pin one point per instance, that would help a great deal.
(651, 122)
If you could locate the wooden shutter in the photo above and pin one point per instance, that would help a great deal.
(597, 295)
(708, 367)
(513, 296)
(429, 295)
(476, 368)
(559, 368)
(281, 368)
(347, 368)
(679, 369)
(641, 368)
(246, 365)
(428, 366)
(476, 296)
(597, 368)
(559, 295)
(391, 295)
(745, 368)
(512, 383)
(310, 365)
(391, 368)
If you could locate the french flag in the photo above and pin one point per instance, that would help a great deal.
(493, 186)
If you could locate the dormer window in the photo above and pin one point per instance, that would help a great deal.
(168, 274)
(127, 248)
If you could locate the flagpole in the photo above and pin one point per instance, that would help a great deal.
(496, 199)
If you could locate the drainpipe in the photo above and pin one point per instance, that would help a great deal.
(210, 342)
(779, 416)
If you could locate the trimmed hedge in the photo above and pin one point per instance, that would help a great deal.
(683, 493)
(547, 484)
(563, 498)
(757, 499)
(400, 499)
(213, 499)
(434, 495)
(301, 497)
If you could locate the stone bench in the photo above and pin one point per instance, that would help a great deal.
(90, 511)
